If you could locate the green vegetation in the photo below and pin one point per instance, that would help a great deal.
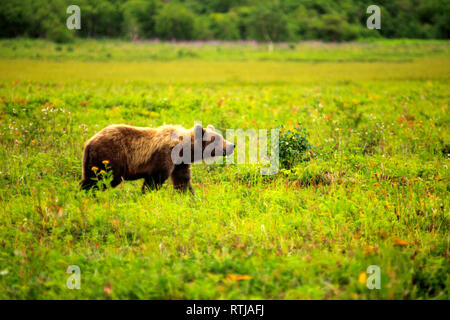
(375, 191)
(293, 146)
(313, 51)
(262, 20)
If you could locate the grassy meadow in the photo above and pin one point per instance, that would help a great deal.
(374, 193)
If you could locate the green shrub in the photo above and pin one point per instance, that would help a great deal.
(139, 18)
(294, 146)
(267, 22)
(60, 36)
(225, 26)
(175, 22)
(202, 28)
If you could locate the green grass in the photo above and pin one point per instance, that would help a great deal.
(375, 194)
(309, 51)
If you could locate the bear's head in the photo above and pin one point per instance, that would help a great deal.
(211, 142)
(198, 144)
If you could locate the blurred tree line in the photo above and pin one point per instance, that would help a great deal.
(261, 20)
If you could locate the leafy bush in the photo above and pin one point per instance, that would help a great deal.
(175, 22)
(294, 146)
(267, 22)
(60, 35)
(333, 27)
(225, 26)
(202, 28)
(139, 18)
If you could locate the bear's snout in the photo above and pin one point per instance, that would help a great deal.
(229, 148)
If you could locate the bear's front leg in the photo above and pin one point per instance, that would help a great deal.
(181, 178)
(154, 181)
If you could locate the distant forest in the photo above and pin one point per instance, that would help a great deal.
(260, 20)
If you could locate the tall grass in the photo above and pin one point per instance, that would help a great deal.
(375, 193)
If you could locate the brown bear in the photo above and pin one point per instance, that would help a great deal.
(154, 154)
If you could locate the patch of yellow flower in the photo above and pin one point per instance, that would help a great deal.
(94, 168)
(105, 162)
(362, 277)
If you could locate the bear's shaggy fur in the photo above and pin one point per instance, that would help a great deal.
(140, 152)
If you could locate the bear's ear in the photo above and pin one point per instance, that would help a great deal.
(198, 132)
(210, 127)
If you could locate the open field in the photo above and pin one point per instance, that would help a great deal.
(376, 192)
(308, 51)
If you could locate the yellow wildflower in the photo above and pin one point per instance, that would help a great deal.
(362, 277)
